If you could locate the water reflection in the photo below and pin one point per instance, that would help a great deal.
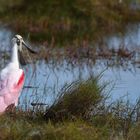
(5, 39)
(129, 39)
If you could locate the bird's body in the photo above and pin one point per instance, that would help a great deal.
(11, 83)
(11, 78)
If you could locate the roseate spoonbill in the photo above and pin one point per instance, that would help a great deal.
(12, 77)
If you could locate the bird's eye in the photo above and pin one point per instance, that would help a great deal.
(18, 42)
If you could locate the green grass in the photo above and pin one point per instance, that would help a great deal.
(77, 100)
(65, 21)
(21, 129)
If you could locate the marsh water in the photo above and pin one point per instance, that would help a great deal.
(45, 79)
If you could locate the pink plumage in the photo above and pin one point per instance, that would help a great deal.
(20, 81)
(11, 83)
(12, 77)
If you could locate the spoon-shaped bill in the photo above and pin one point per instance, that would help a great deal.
(29, 49)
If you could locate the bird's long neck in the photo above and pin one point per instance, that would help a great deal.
(14, 57)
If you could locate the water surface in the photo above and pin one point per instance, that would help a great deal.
(49, 77)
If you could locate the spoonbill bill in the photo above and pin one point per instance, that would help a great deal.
(12, 76)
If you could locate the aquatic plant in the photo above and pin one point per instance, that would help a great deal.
(77, 100)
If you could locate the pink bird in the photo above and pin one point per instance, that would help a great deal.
(12, 77)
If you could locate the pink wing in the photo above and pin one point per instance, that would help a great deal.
(11, 84)
(20, 82)
(11, 81)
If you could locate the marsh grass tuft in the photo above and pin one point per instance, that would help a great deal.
(76, 100)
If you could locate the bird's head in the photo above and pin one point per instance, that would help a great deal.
(18, 40)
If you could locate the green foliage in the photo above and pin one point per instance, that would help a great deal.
(65, 21)
(134, 133)
(19, 129)
(4, 5)
(77, 100)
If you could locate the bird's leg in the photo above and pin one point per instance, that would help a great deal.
(16, 102)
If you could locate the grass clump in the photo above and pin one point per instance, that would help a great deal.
(78, 100)
(134, 133)
(32, 130)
